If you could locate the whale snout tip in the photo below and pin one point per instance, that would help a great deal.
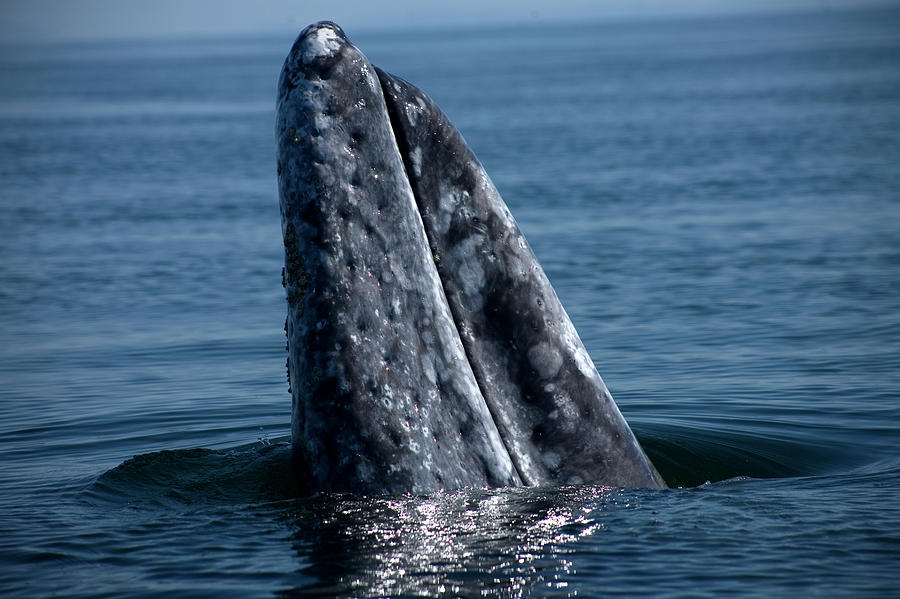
(320, 40)
(319, 26)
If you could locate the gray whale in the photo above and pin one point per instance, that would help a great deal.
(427, 349)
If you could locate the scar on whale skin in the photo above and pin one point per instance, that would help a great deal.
(427, 348)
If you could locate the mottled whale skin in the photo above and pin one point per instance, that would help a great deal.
(427, 349)
(551, 407)
(384, 399)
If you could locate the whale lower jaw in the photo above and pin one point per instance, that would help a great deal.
(427, 348)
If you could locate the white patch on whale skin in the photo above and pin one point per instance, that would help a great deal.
(566, 412)
(324, 42)
(429, 370)
(584, 362)
(444, 215)
(370, 76)
(545, 360)
(469, 271)
(416, 158)
(574, 346)
(413, 110)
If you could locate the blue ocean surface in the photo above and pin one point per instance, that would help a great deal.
(716, 201)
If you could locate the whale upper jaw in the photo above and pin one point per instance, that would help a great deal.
(427, 349)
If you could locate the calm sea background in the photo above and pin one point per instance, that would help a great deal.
(716, 201)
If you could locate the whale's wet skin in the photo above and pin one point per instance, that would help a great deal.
(427, 349)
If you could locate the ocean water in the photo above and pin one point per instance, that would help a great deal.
(716, 201)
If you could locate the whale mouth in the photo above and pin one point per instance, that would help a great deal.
(427, 346)
(402, 101)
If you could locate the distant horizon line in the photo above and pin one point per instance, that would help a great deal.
(465, 25)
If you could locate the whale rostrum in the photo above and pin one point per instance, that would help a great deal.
(427, 348)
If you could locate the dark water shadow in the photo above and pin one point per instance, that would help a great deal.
(688, 455)
(259, 472)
